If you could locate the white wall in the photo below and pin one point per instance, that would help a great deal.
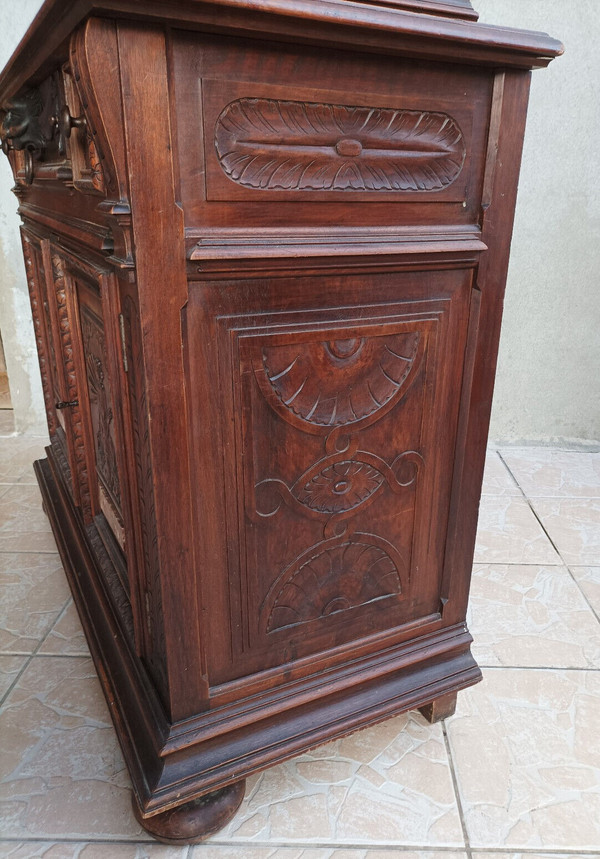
(548, 385)
(15, 314)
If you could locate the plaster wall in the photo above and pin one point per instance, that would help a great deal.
(548, 382)
(15, 314)
(548, 385)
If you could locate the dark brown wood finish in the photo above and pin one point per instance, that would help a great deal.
(266, 246)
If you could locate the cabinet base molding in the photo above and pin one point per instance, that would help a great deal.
(173, 764)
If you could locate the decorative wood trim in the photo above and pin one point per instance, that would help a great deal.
(75, 419)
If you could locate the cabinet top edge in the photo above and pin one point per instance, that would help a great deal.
(344, 24)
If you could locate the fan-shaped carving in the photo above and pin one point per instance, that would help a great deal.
(268, 144)
(335, 578)
(312, 383)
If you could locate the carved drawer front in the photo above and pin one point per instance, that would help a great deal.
(342, 480)
(288, 152)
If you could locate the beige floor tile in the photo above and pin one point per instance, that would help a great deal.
(574, 526)
(531, 616)
(526, 751)
(209, 851)
(62, 774)
(78, 850)
(508, 533)
(550, 471)
(9, 668)
(24, 526)
(34, 592)
(588, 579)
(497, 479)
(528, 855)
(17, 456)
(387, 785)
(7, 422)
(66, 637)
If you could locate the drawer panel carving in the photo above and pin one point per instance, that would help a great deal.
(271, 144)
(277, 143)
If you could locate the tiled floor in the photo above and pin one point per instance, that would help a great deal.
(515, 774)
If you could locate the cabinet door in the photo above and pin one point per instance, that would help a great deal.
(91, 367)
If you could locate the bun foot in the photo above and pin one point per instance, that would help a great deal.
(196, 820)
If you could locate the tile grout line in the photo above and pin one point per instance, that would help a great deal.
(554, 546)
(459, 804)
(34, 653)
(299, 845)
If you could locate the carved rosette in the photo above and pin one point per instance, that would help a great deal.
(72, 394)
(332, 577)
(270, 144)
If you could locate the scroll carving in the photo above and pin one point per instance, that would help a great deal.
(268, 144)
(334, 576)
(337, 485)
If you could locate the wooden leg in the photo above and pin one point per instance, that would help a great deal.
(440, 708)
(196, 820)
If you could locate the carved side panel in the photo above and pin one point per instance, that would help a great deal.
(339, 493)
(323, 462)
(331, 466)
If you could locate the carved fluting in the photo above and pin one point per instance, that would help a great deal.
(36, 313)
(269, 144)
(311, 382)
(334, 577)
(72, 393)
(94, 346)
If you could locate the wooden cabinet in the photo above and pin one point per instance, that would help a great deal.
(266, 246)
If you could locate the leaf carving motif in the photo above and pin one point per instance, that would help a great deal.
(270, 144)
